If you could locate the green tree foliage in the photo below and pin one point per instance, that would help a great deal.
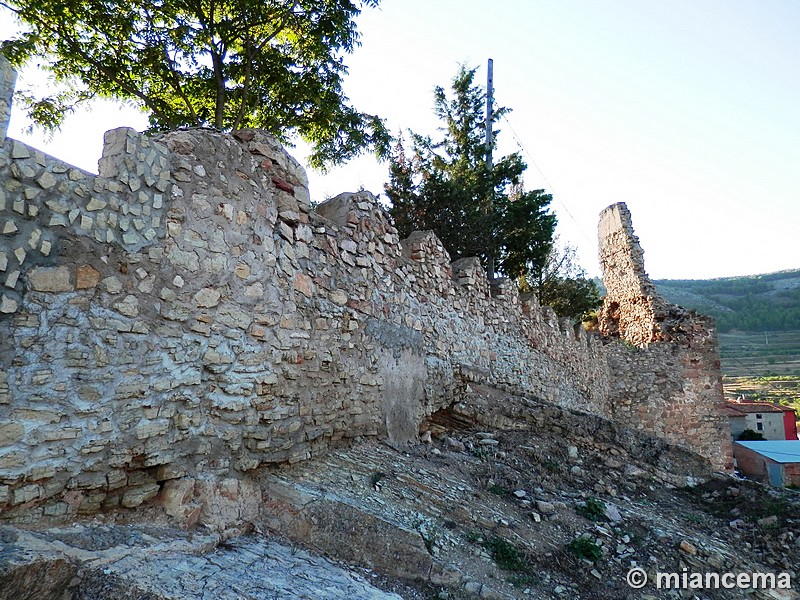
(445, 186)
(561, 283)
(748, 435)
(228, 64)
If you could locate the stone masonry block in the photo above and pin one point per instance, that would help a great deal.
(138, 495)
(86, 277)
(11, 433)
(8, 304)
(50, 279)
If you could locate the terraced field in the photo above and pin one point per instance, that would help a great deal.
(757, 316)
(779, 389)
(760, 354)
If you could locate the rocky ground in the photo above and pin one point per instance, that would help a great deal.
(470, 512)
(515, 515)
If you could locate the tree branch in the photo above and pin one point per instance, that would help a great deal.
(133, 90)
(245, 93)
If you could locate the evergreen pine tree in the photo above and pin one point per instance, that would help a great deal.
(446, 186)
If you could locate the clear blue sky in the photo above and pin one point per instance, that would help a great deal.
(688, 111)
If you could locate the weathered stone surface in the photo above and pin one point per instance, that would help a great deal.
(86, 277)
(8, 77)
(112, 285)
(143, 563)
(10, 433)
(247, 330)
(96, 204)
(177, 498)
(46, 180)
(8, 304)
(339, 297)
(138, 495)
(303, 284)
(207, 298)
(128, 306)
(324, 523)
(687, 547)
(676, 366)
(50, 279)
(41, 579)
(227, 503)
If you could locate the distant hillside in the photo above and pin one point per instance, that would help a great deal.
(758, 319)
(755, 303)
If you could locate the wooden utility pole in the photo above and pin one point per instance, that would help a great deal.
(490, 199)
(489, 94)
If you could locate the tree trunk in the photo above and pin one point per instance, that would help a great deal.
(219, 76)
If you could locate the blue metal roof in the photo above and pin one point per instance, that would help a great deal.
(782, 451)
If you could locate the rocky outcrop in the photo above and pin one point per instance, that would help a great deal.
(126, 562)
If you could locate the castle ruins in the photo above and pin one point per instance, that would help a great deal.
(185, 316)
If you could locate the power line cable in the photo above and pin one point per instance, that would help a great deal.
(522, 147)
(765, 384)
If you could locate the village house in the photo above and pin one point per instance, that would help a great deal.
(772, 421)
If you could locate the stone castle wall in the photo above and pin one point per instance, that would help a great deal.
(186, 314)
(666, 378)
(248, 330)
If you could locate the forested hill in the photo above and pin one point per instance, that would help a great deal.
(768, 302)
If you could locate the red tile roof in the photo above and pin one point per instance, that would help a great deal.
(733, 412)
(756, 407)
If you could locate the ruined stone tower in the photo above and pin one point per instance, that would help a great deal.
(633, 310)
(667, 379)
